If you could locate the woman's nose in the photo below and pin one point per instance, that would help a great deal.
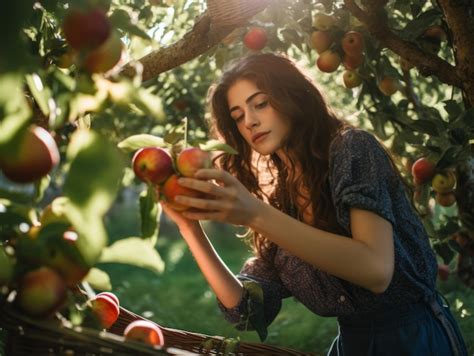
(251, 120)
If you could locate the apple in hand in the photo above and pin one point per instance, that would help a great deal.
(388, 86)
(444, 182)
(255, 39)
(152, 164)
(321, 40)
(422, 170)
(172, 188)
(351, 79)
(353, 43)
(106, 56)
(328, 61)
(105, 310)
(192, 159)
(37, 154)
(144, 331)
(41, 292)
(86, 29)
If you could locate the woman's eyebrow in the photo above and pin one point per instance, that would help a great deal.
(247, 100)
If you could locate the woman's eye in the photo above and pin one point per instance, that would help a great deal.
(261, 105)
(238, 118)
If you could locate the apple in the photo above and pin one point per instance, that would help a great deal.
(86, 28)
(6, 267)
(353, 43)
(144, 331)
(152, 164)
(443, 182)
(388, 85)
(105, 57)
(191, 159)
(105, 310)
(443, 272)
(67, 59)
(255, 39)
(172, 188)
(435, 32)
(321, 40)
(422, 170)
(37, 154)
(323, 22)
(64, 256)
(445, 199)
(353, 62)
(41, 292)
(328, 61)
(111, 296)
(351, 79)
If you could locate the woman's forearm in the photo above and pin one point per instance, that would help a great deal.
(226, 286)
(338, 255)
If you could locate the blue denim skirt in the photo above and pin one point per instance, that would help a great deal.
(423, 329)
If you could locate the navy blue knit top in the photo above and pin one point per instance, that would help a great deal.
(360, 176)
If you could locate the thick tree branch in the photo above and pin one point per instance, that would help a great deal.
(194, 43)
(459, 17)
(428, 64)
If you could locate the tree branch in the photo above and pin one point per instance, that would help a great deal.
(428, 64)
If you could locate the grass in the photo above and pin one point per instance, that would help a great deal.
(180, 298)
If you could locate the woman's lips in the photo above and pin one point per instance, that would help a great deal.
(259, 137)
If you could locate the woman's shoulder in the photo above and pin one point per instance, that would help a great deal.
(353, 141)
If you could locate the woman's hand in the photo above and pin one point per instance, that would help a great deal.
(183, 223)
(232, 203)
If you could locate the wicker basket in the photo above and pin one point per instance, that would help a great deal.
(234, 12)
(27, 337)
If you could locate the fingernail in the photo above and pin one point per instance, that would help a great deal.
(178, 198)
(180, 180)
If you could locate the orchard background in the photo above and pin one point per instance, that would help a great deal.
(411, 84)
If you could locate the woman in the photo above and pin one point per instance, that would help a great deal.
(337, 231)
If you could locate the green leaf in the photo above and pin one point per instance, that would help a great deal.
(135, 142)
(255, 308)
(134, 251)
(91, 186)
(150, 212)
(98, 279)
(416, 27)
(215, 145)
(444, 250)
(41, 94)
(453, 109)
(425, 126)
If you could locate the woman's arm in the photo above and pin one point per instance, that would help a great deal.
(366, 260)
(227, 288)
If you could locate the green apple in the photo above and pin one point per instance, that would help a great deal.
(351, 79)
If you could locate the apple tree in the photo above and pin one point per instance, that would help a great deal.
(85, 84)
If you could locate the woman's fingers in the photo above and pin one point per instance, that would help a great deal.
(205, 187)
(216, 174)
(202, 204)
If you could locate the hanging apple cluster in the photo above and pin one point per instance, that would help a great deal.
(155, 166)
(93, 42)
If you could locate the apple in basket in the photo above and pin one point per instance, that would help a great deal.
(144, 331)
(105, 309)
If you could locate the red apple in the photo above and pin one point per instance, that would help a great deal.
(445, 199)
(105, 309)
(353, 43)
(106, 56)
(172, 188)
(86, 29)
(351, 79)
(191, 159)
(422, 170)
(443, 272)
(41, 292)
(37, 154)
(111, 296)
(152, 164)
(388, 85)
(353, 62)
(255, 39)
(328, 61)
(144, 331)
(321, 40)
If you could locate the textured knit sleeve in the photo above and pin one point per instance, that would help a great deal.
(261, 301)
(360, 177)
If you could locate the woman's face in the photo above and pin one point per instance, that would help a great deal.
(262, 127)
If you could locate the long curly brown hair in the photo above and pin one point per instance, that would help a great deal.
(313, 125)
